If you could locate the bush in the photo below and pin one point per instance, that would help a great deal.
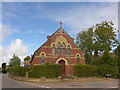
(108, 71)
(4, 71)
(48, 71)
(86, 70)
(20, 71)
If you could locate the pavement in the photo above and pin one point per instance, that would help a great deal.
(10, 83)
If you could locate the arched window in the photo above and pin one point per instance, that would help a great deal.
(42, 58)
(53, 50)
(68, 50)
(59, 47)
(63, 48)
(78, 58)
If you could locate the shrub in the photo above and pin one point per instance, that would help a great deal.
(20, 71)
(4, 71)
(108, 71)
(48, 71)
(86, 70)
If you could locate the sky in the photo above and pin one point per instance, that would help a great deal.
(26, 25)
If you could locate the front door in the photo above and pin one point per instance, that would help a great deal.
(62, 62)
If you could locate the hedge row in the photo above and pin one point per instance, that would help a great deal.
(20, 71)
(85, 70)
(48, 71)
(95, 71)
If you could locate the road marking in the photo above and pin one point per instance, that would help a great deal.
(114, 87)
(42, 86)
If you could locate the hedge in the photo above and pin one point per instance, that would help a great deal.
(109, 71)
(20, 71)
(48, 71)
(96, 71)
(86, 70)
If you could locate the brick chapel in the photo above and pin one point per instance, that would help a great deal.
(59, 49)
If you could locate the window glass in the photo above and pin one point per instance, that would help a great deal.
(53, 50)
(63, 48)
(68, 50)
(78, 58)
(42, 58)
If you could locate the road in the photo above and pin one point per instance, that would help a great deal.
(10, 83)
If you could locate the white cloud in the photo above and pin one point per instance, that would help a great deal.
(15, 47)
(81, 16)
(5, 31)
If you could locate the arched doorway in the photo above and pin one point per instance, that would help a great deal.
(62, 62)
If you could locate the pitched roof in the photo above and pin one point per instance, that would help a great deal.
(60, 31)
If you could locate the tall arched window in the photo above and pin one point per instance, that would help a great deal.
(68, 50)
(42, 58)
(59, 47)
(78, 58)
(63, 48)
(53, 50)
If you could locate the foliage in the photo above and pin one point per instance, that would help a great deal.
(15, 61)
(4, 65)
(48, 71)
(96, 71)
(17, 70)
(86, 71)
(88, 58)
(4, 71)
(117, 51)
(108, 71)
(108, 65)
(27, 58)
(106, 59)
(98, 38)
(85, 40)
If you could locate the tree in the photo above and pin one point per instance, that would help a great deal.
(98, 38)
(4, 65)
(27, 58)
(85, 40)
(117, 54)
(105, 37)
(117, 51)
(15, 61)
(88, 58)
(4, 71)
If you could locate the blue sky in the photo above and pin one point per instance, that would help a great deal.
(26, 25)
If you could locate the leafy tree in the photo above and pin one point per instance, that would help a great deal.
(105, 36)
(98, 38)
(4, 71)
(15, 61)
(85, 40)
(4, 65)
(88, 58)
(117, 51)
(27, 58)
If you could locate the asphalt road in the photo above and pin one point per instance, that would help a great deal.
(10, 83)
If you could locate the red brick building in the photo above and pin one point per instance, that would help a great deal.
(59, 49)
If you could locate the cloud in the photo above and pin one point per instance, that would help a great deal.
(15, 47)
(81, 16)
(5, 31)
